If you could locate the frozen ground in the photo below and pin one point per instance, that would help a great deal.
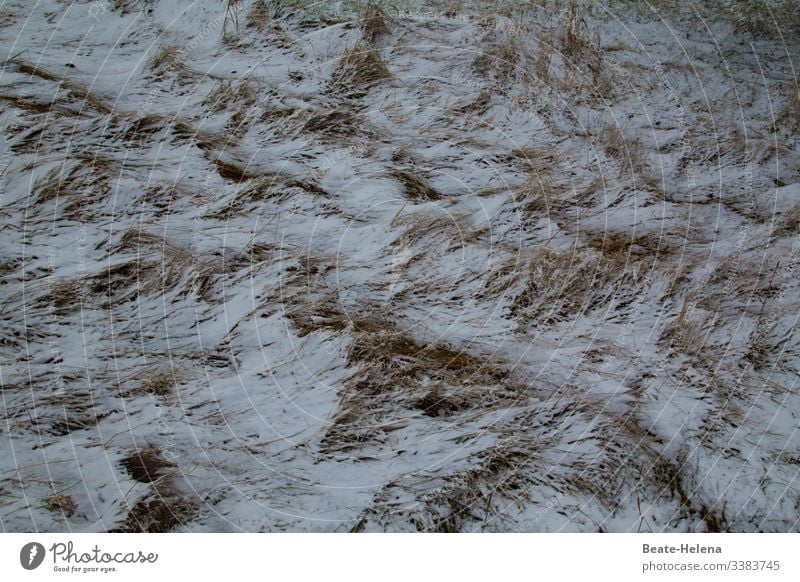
(272, 266)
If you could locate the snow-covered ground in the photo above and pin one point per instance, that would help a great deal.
(277, 266)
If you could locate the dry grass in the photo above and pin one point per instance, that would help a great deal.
(765, 345)
(234, 171)
(75, 88)
(389, 349)
(670, 477)
(764, 18)
(438, 403)
(269, 186)
(789, 116)
(78, 417)
(543, 60)
(226, 94)
(395, 383)
(358, 70)
(591, 193)
(574, 34)
(761, 347)
(505, 274)
(373, 23)
(77, 185)
(231, 19)
(58, 183)
(58, 413)
(117, 279)
(56, 423)
(38, 106)
(789, 223)
(162, 510)
(259, 16)
(627, 247)
(9, 267)
(146, 465)
(428, 228)
(473, 107)
(143, 128)
(334, 124)
(415, 187)
(256, 193)
(535, 160)
(60, 504)
(65, 295)
(499, 475)
(563, 284)
(398, 373)
(169, 60)
(129, 6)
(309, 303)
(499, 58)
(538, 197)
(158, 383)
(626, 150)
(739, 278)
(687, 333)
(314, 315)
(163, 195)
(277, 113)
(163, 267)
(578, 69)
(206, 140)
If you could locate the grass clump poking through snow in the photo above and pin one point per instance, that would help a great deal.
(170, 60)
(231, 17)
(768, 18)
(583, 57)
(233, 171)
(687, 333)
(501, 55)
(160, 384)
(336, 123)
(415, 187)
(162, 267)
(574, 38)
(210, 141)
(497, 478)
(65, 295)
(227, 93)
(399, 376)
(78, 185)
(789, 223)
(564, 283)
(789, 116)
(60, 504)
(358, 70)
(373, 23)
(146, 465)
(160, 511)
(75, 88)
(259, 16)
(628, 151)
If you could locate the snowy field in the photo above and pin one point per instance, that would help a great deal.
(444, 266)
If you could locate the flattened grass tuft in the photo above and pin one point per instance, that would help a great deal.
(146, 465)
(415, 187)
(359, 69)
